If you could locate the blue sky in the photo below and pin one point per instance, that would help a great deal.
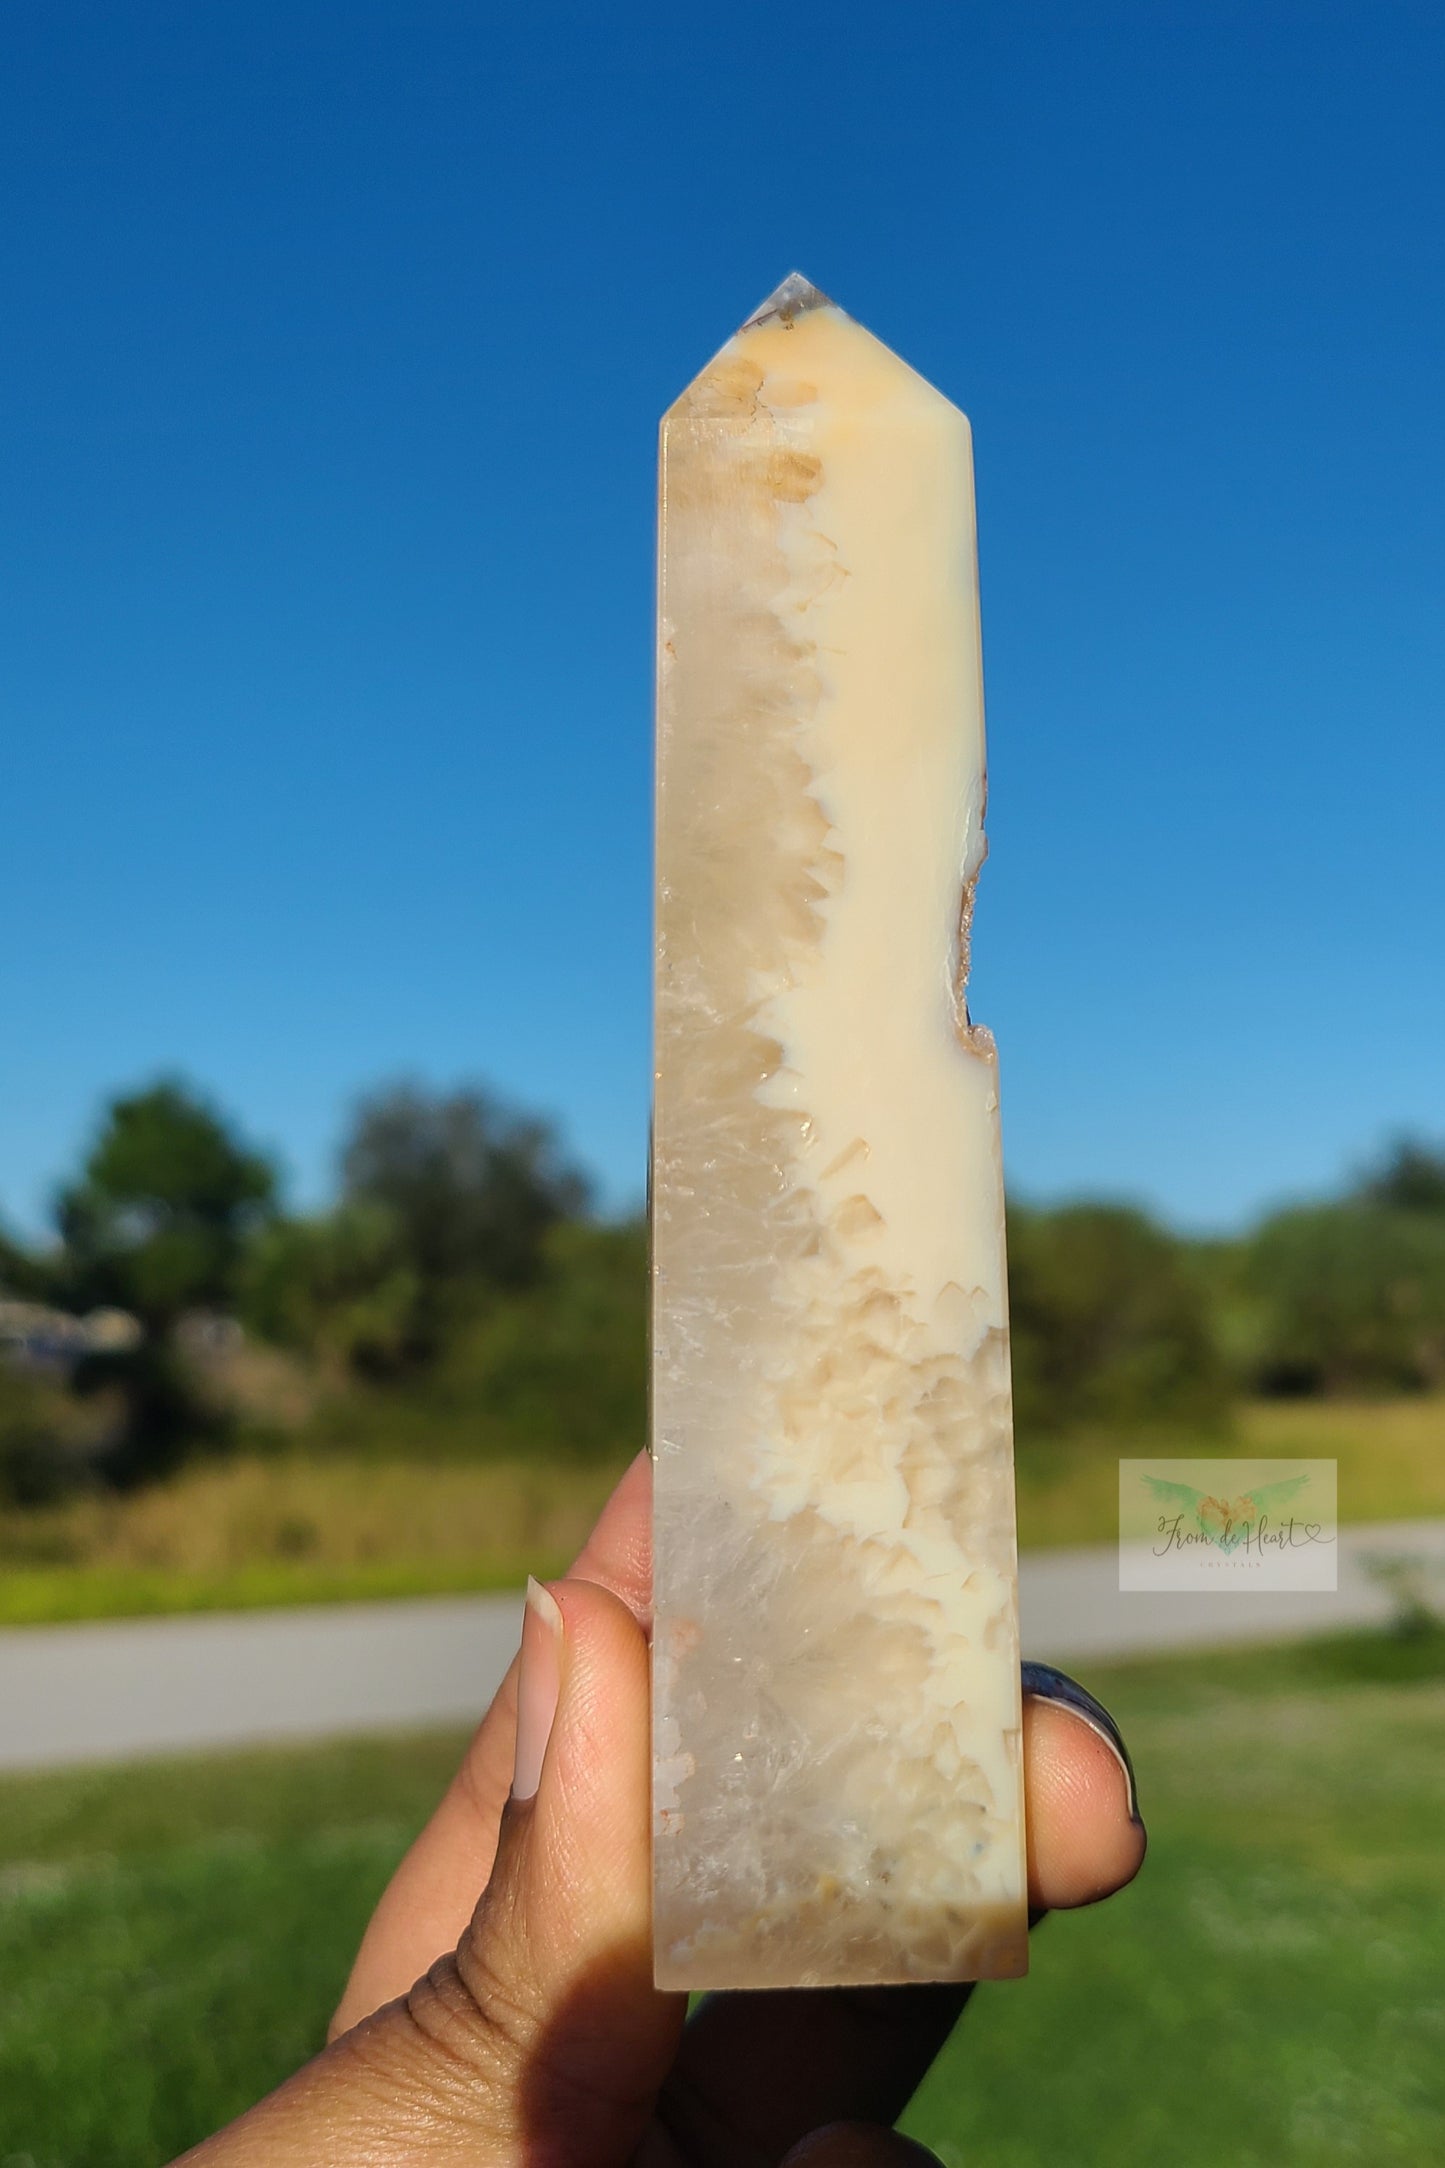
(335, 340)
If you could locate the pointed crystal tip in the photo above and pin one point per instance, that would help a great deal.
(793, 298)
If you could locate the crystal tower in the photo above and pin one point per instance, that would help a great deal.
(837, 1793)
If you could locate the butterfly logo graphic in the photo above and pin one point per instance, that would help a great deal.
(1225, 1522)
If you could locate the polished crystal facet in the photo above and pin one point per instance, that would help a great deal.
(837, 1791)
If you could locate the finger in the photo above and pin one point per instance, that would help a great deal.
(618, 1553)
(1086, 1837)
(816, 2057)
(430, 1898)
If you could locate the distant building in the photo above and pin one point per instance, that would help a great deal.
(50, 1343)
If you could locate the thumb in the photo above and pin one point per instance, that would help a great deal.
(541, 2037)
(554, 1974)
(557, 1960)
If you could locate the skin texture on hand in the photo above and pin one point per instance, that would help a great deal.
(540, 2039)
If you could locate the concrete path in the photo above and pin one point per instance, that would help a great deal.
(92, 1693)
(155, 1685)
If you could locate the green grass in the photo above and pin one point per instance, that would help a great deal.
(53, 1595)
(292, 1528)
(257, 1530)
(1391, 1456)
(1272, 1990)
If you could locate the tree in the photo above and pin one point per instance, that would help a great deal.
(338, 1287)
(561, 1369)
(156, 1225)
(1351, 1297)
(32, 1464)
(21, 1274)
(165, 1201)
(1410, 1178)
(472, 1186)
(1109, 1324)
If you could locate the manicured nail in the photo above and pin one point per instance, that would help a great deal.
(1047, 1684)
(539, 1682)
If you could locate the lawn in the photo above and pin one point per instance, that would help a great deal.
(1391, 1456)
(259, 1530)
(288, 1528)
(1272, 1990)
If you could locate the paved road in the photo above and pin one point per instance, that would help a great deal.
(148, 1686)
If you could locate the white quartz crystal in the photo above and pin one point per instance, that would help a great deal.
(836, 1688)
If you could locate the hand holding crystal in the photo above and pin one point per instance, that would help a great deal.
(537, 2040)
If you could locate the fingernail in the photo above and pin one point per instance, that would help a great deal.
(1047, 1684)
(539, 1682)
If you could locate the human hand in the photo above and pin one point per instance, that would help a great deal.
(539, 2038)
